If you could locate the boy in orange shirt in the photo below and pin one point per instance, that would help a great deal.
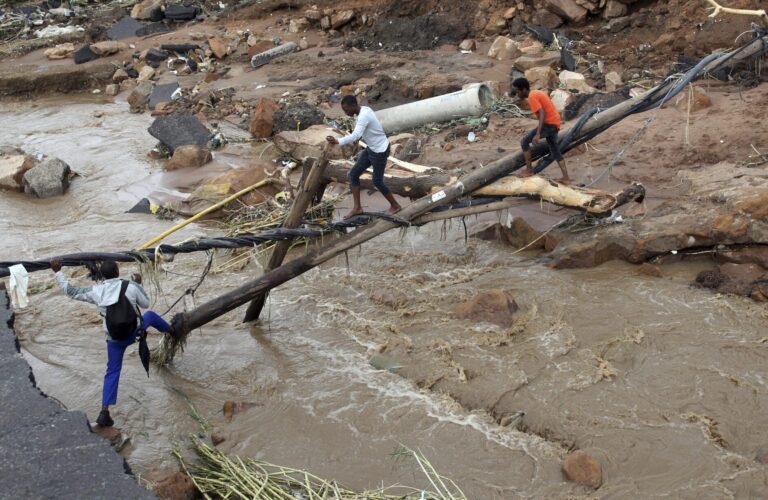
(549, 126)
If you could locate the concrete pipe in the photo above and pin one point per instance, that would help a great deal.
(473, 100)
(281, 50)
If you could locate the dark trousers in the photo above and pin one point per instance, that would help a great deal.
(116, 350)
(548, 132)
(366, 159)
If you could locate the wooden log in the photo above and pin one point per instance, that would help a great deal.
(413, 187)
(185, 322)
(305, 194)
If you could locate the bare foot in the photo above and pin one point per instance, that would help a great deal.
(565, 180)
(353, 213)
(393, 209)
(526, 173)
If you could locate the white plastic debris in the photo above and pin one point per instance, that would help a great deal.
(52, 30)
(19, 282)
(471, 137)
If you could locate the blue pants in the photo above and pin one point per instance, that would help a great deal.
(366, 159)
(115, 351)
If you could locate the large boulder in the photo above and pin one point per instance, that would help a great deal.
(262, 118)
(49, 178)
(298, 116)
(139, 97)
(504, 49)
(180, 129)
(542, 77)
(561, 99)
(494, 306)
(549, 58)
(576, 82)
(342, 18)
(12, 169)
(518, 234)
(309, 143)
(582, 469)
(188, 156)
(567, 9)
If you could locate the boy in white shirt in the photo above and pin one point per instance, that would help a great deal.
(370, 130)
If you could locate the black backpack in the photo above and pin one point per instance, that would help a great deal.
(121, 317)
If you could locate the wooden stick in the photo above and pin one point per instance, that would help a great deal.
(303, 200)
(745, 12)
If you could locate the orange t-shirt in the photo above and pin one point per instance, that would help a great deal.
(539, 100)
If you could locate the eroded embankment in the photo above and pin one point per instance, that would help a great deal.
(45, 450)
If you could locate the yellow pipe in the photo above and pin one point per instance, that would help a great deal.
(205, 212)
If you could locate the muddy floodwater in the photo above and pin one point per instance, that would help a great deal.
(664, 384)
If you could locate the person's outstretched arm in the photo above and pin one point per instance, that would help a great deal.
(83, 294)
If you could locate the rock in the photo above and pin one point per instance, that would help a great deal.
(561, 99)
(342, 18)
(162, 94)
(12, 170)
(411, 150)
(49, 178)
(531, 47)
(148, 10)
(107, 48)
(649, 270)
(298, 25)
(84, 54)
(298, 116)
(495, 25)
(179, 129)
(614, 9)
(217, 439)
(313, 14)
(504, 49)
(188, 156)
(583, 469)
(494, 306)
(128, 85)
(308, 143)
(518, 234)
(568, 9)
(613, 82)
(325, 23)
(260, 46)
(154, 55)
(510, 13)
(127, 27)
(139, 97)
(178, 487)
(262, 118)
(146, 73)
(618, 24)
(181, 12)
(549, 58)
(576, 81)
(542, 77)
(468, 44)
(61, 51)
(120, 75)
(694, 99)
(304, 43)
(112, 89)
(219, 47)
(547, 19)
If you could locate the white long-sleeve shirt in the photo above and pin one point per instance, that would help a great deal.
(369, 129)
(105, 294)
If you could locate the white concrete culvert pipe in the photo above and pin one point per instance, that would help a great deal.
(473, 100)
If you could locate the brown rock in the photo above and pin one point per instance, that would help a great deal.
(504, 49)
(546, 18)
(561, 99)
(494, 306)
(614, 9)
(342, 18)
(188, 156)
(146, 73)
(298, 25)
(510, 13)
(542, 77)
(576, 82)
(147, 9)
(111, 434)
(649, 270)
(219, 47)
(177, 487)
(613, 81)
(112, 89)
(468, 44)
(583, 469)
(61, 51)
(313, 14)
(495, 25)
(262, 117)
(304, 43)
(108, 47)
(128, 85)
(260, 46)
(568, 9)
(12, 170)
(120, 75)
(549, 58)
(308, 143)
(139, 97)
(217, 439)
(518, 234)
(694, 99)
(232, 408)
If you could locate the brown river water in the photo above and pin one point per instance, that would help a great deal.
(664, 384)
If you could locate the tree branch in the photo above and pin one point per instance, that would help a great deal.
(717, 9)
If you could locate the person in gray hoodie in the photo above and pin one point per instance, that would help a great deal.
(103, 295)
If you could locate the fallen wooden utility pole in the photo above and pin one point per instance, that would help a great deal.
(185, 322)
(306, 193)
